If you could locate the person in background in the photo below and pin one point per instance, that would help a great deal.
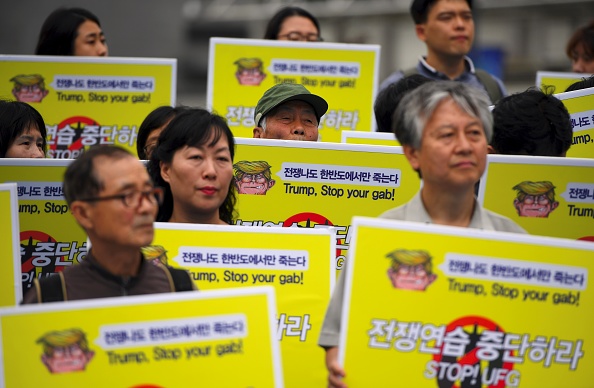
(447, 29)
(289, 112)
(388, 99)
(113, 199)
(531, 123)
(71, 31)
(22, 131)
(580, 49)
(193, 162)
(293, 23)
(444, 128)
(151, 128)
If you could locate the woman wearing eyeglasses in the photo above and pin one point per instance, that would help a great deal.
(193, 162)
(293, 23)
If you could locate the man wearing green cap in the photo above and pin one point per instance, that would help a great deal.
(289, 112)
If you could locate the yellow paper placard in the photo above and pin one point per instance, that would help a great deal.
(511, 184)
(50, 239)
(456, 307)
(165, 340)
(10, 276)
(370, 138)
(580, 104)
(297, 262)
(558, 80)
(88, 101)
(345, 75)
(323, 184)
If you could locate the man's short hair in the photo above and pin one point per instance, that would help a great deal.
(419, 9)
(80, 178)
(388, 99)
(417, 107)
(531, 123)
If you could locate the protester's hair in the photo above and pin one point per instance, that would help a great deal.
(156, 119)
(584, 37)
(60, 29)
(531, 123)
(193, 127)
(417, 107)
(276, 22)
(388, 99)
(15, 118)
(419, 9)
(81, 180)
(585, 83)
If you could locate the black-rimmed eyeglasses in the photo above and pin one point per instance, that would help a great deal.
(133, 198)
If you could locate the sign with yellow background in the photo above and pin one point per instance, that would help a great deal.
(10, 276)
(559, 81)
(446, 306)
(545, 195)
(297, 262)
(219, 338)
(345, 75)
(89, 100)
(369, 138)
(580, 104)
(306, 184)
(50, 239)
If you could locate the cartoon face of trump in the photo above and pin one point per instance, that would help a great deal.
(65, 351)
(410, 270)
(253, 177)
(535, 199)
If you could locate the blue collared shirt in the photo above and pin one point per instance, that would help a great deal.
(468, 76)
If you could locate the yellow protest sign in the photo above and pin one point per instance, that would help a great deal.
(462, 307)
(546, 196)
(50, 239)
(345, 75)
(304, 184)
(297, 262)
(370, 138)
(580, 104)
(89, 100)
(213, 339)
(558, 80)
(10, 276)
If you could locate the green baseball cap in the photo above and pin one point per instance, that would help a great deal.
(281, 93)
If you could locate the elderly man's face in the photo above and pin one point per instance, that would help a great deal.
(113, 223)
(453, 149)
(293, 120)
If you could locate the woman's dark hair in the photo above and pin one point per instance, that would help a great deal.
(156, 119)
(275, 23)
(59, 31)
(193, 127)
(15, 118)
(584, 83)
(584, 37)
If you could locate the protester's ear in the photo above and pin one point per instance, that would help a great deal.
(490, 149)
(82, 212)
(412, 156)
(258, 132)
(164, 167)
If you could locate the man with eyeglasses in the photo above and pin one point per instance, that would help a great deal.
(113, 199)
(289, 112)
